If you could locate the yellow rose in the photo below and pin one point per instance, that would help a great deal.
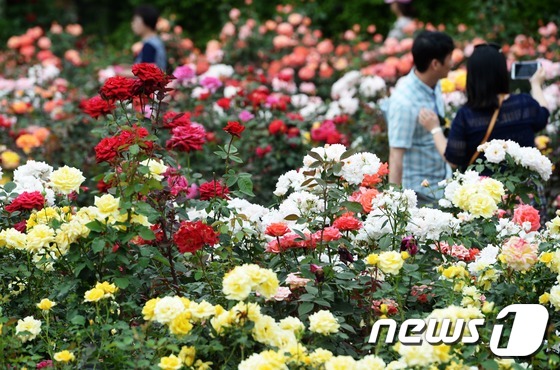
(390, 262)
(494, 188)
(200, 365)
(46, 304)
(544, 299)
(554, 226)
(94, 295)
(148, 310)
(236, 286)
(542, 141)
(323, 322)
(447, 85)
(340, 363)
(181, 324)
(320, 356)
(482, 205)
(487, 307)
(107, 204)
(187, 355)
(107, 287)
(9, 159)
(65, 180)
(461, 80)
(156, 167)
(64, 356)
(372, 259)
(12, 238)
(462, 196)
(170, 363)
(554, 297)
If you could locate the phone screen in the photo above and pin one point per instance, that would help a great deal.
(525, 70)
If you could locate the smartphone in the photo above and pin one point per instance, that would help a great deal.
(524, 70)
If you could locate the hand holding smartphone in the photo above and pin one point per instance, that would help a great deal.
(524, 70)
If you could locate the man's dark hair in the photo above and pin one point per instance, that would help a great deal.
(487, 77)
(406, 9)
(429, 45)
(149, 15)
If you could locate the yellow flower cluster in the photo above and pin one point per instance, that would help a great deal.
(456, 272)
(388, 262)
(481, 198)
(239, 282)
(553, 226)
(423, 355)
(101, 291)
(455, 80)
(551, 260)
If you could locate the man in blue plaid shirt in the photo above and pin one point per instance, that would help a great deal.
(413, 157)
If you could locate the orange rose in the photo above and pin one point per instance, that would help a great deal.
(27, 142)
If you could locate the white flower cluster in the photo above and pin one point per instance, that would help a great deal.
(34, 176)
(371, 86)
(431, 224)
(358, 165)
(486, 258)
(393, 200)
(531, 158)
(41, 74)
(218, 71)
(375, 226)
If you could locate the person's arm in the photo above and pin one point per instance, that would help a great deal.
(395, 165)
(430, 121)
(536, 87)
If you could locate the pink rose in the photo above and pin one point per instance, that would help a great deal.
(526, 213)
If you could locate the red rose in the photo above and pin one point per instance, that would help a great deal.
(192, 236)
(21, 226)
(293, 132)
(151, 77)
(119, 88)
(213, 189)
(224, 103)
(261, 152)
(27, 201)
(277, 229)
(277, 126)
(174, 119)
(107, 149)
(187, 138)
(97, 106)
(347, 223)
(234, 128)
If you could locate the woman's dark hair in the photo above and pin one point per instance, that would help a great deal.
(487, 77)
(149, 15)
(430, 45)
(406, 9)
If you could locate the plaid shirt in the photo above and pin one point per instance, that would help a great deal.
(421, 159)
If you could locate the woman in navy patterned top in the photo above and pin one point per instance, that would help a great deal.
(520, 115)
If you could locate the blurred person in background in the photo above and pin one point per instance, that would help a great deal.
(144, 25)
(405, 13)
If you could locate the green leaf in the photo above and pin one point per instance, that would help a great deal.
(315, 155)
(147, 234)
(78, 320)
(347, 154)
(245, 185)
(134, 149)
(98, 245)
(9, 187)
(291, 217)
(353, 207)
(312, 290)
(490, 365)
(122, 283)
(95, 226)
(305, 308)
